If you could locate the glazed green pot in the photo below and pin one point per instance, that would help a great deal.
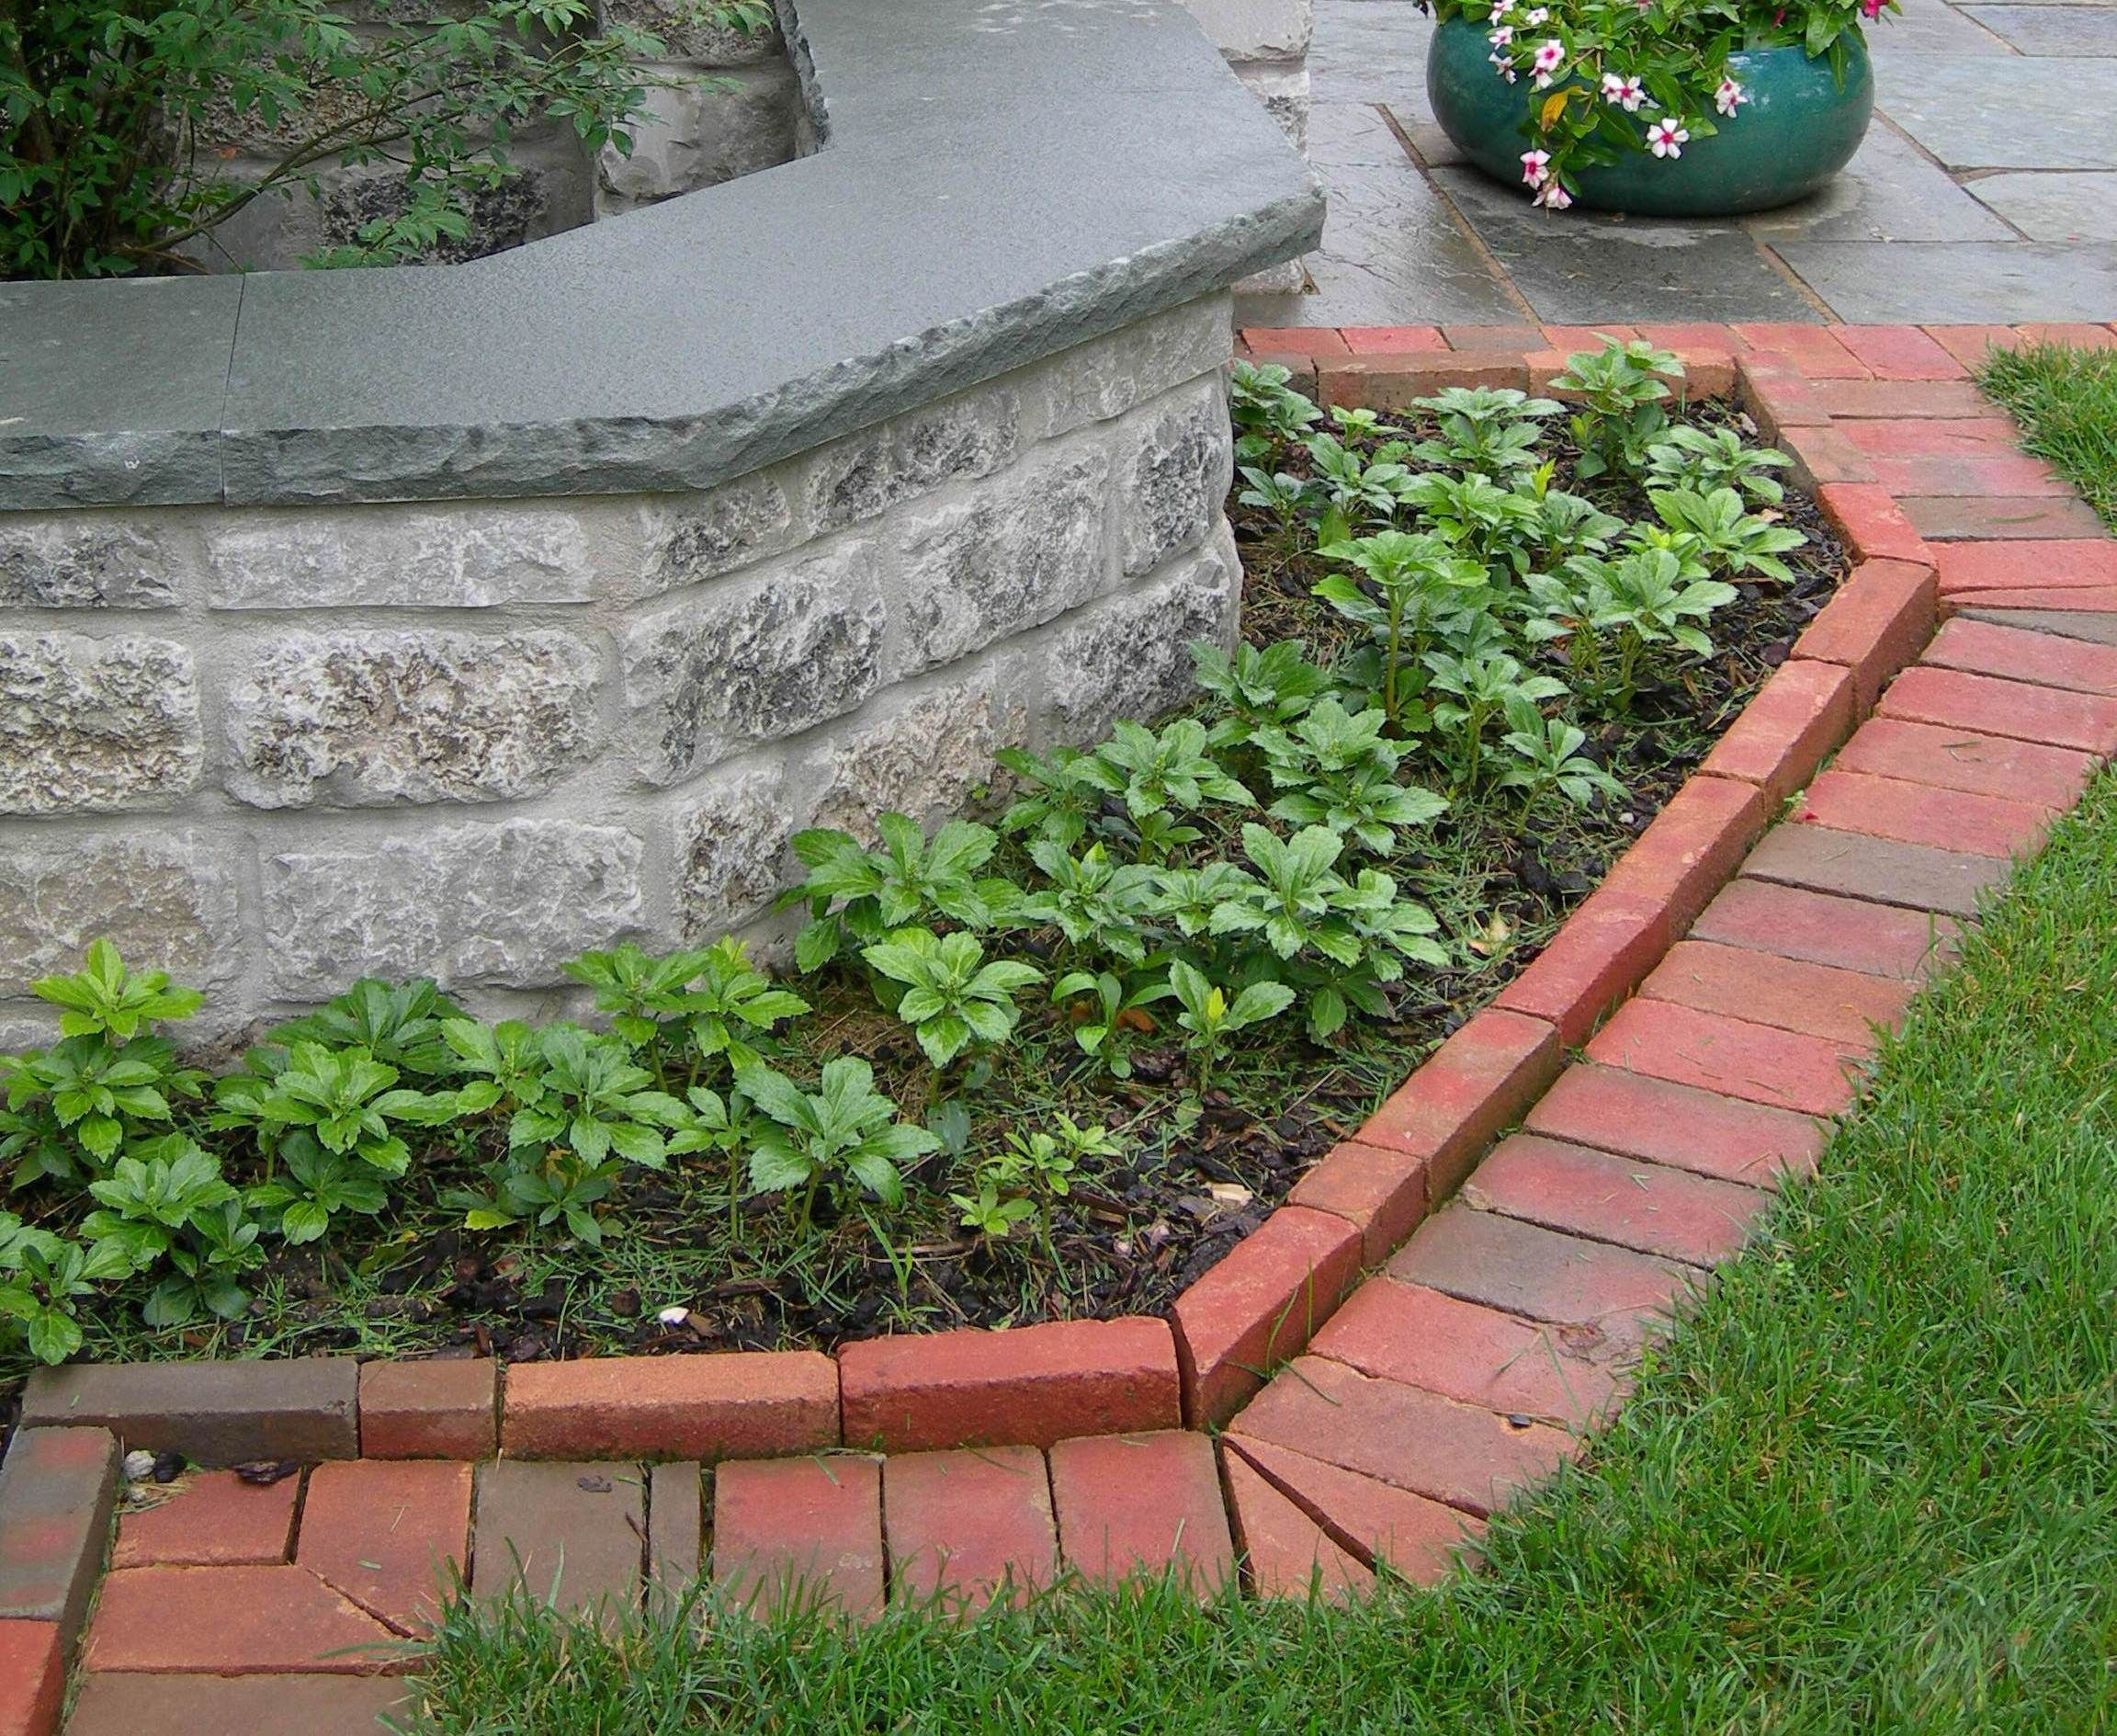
(1799, 128)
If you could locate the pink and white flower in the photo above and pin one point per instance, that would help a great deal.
(1552, 197)
(1502, 36)
(1729, 96)
(1505, 65)
(1549, 58)
(1500, 11)
(1536, 14)
(1624, 89)
(1535, 167)
(1666, 137)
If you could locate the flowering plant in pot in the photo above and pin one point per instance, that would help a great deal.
(1662, 107)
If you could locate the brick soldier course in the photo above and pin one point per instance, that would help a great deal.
(1416, 1335)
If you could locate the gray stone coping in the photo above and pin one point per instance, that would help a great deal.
(995, 182)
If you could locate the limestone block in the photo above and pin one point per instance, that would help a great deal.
(753, 661)
(164, 897)
(84, 561)
(868, 472)
(416, 557)
(731, 849)
(394, 715)
(89, 725)
(698, 130)
(1175, 478)
(493, 904)
(1018, 552)
(1104, 378)
(1129, 657)
(685, 539)
(922, 755)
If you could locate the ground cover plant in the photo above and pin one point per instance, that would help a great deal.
(1870, 1485)
(2065, 400)
(1048, 1062)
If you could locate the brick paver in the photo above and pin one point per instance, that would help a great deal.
(1853, 864)
(968, 1527)
(214, 1519)
(32, 1678)
(1785, 1070)
(388, 1533)
(57, 1487)
(1992, 707)
(1129, 1505)
(1841, 1006)
(1284, 1552)
(1816, 928)
(1963, 759)
(437, 1409)
(150, 1705)
(810, 1528)
(1421, 1539)
(568, 1533)
(1919, 813)
(1668, 1123)
(235, 1621)
(1609, 1198)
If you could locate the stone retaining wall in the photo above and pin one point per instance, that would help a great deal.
(276, 748)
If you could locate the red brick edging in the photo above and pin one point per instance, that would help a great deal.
(1445, 1353)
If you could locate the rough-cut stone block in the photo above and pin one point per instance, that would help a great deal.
(84, 561)
(732, 833)
(235, 1621)
(1844, 1007)
(695, 33)
(1128, 656)
(1142, 1505)
(1678, 1125)
(1420, 1539)
(1034, 1384)
(1381, 1193)
(1284, 89)
(368, 719)
(697, 133)
(686, 539)
(765, 658)
(57, 1487)
(1020, 552)
(1256, 29)
(789, 1529)
(1783, 1070)
(1096, 381)
(1473, 1353)
(1595, 960)
(569, 1534)
(1469, 1457)
(744, 1404)
(1992, 707)
(1880, 620)
(1819, 929)
(922, 753)
(96, 725)
(504, 904)
(1787, 730)
(964, 1529)
(32, 1678)
(2043, 658)
(1691, 849)
(441, 1409)
(1171, 483)
(1638, 1206)
(1480, 1256)
(412, 557)
(868, 472)
(676, 1529)
(155, 1704)
(1284, 1552)
(213, 1519)
(1463, 1095)
(164, 899)
(212, 1412)
(1853, 864)
(388, 1535)
(1918, 813)
(1258, 1305)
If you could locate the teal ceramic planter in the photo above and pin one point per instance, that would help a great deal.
(1799, 128)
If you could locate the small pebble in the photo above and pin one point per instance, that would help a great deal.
(138, 1465)
(168, 1467)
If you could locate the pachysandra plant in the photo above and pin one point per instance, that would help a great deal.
(1612, 78)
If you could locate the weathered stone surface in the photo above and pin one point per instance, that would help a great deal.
(698, 132)
(469, 557)
(548, 192)
(1284, 92)
(422, 717)
(731, 854)
(1173, 482)
(497, 905)
(870, 471)
(923, 758)
(83, 562)
(754, 662)
(1094, 381)
(1256, 29)
(1128, 656)
(690, 32)
(89, 725)
(685, 539)
(1016, 554)
(166, 901)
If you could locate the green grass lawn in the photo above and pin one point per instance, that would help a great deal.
(2066, 402)
(1871, 1486)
